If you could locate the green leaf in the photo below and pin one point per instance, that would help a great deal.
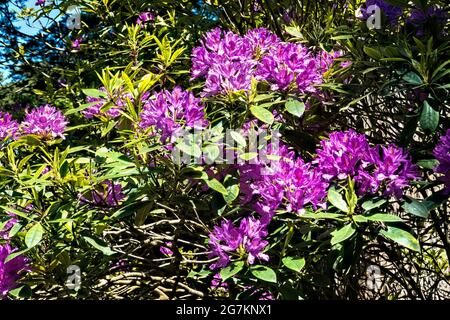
(262, 114)
(336, 200)
(373, 53)
(248, 156)
(34, 235)
(402, 237)
(106, 251)
(192, 150)
(232, 193)
(428, 164)
(16, 254)
(94, 93)
(14, 230)
(264, 273)
(412, 78)
(295, 107)
(342, 234)
(429, 119)
(416, 208)
(295, 264)
(294, 31)
(382, 217)
(231, 270)
(238, 138)
(217, 186)
(211, 153)
(370, 204)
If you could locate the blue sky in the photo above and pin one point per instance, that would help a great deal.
(29, 27)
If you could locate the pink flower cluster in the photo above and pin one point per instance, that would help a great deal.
(45, 121)
(229, 62)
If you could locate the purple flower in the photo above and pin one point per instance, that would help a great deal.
(9, 128)
(391, 12)
(45, 121)
(261, 40)
(442, 154)
(290, 67)
(388, 167)
(9, 271)
(289, 184)
(76, 43)
(166, 250)
(168, 112)
(425, 20)
(145, 17)
(348, 154)
(4, 233)
(95, 108)
(107, 195)
(341, 154)
(228, 242)
(217, 282)
(39, 3)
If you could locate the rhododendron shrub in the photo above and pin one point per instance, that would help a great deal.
(177, 151)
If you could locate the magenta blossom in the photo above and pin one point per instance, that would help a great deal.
(9, 128)
(9, 271)
(77, 43)
(94, 110)
(107, 195)
(165, 250)
(442, 154)
(145, 17)
(45, 121)
(228, 242)
(171, 111)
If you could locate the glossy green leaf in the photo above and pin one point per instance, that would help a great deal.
(416, 208)
(429, 119)
(231, 270)
(342, 234)
(262, 114)
(34, 235)
(295, 264)
(217, 186)
(106, 250)
(336, 200)
(295, 107)
(402, 237)
(264, 273)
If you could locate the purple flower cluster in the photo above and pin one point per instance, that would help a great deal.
(442, 154)
(289, 183)
(390, 11)
(4, 232)
(94, 110)
(228, 242)
(9, 128)
(229, 62)
(108, 194)
(348, 154)
(145, 17)
(168, 112)
(9, 271)
(45, 121)
(423, 19)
